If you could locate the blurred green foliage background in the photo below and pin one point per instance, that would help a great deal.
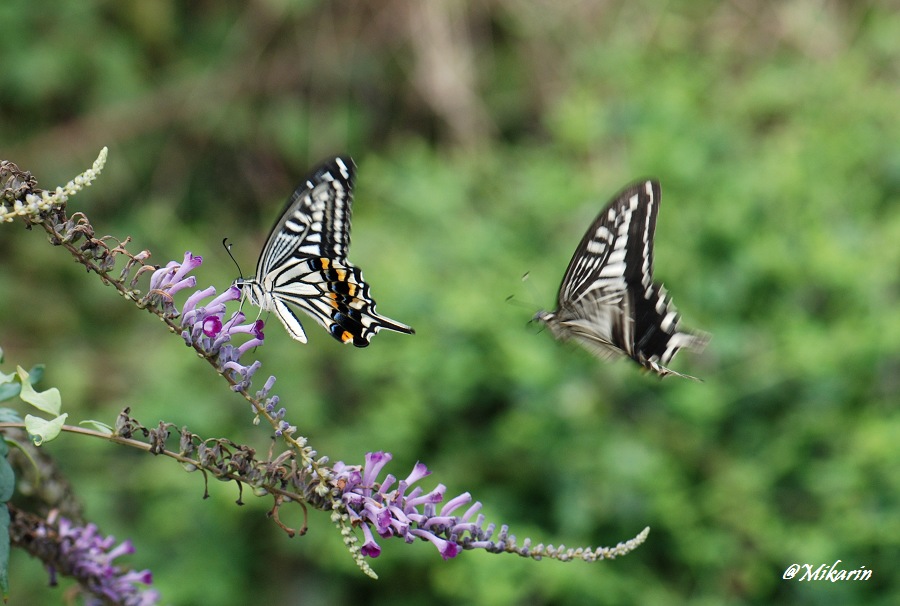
(488, 135)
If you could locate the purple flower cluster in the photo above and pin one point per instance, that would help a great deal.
(88, 556)
(209, 329)
(168, 280)
(391, 509)
(206, 326)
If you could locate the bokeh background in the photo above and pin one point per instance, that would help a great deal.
(488, 134)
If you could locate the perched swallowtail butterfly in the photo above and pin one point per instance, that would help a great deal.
(608, 301)
(304, 263)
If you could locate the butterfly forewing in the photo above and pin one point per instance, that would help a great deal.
(316, 219)
(304, 262)
(608, 301)
(604, 259)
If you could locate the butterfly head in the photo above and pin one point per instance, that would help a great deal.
(545, 317)
(550, 320)
(251, 290)
(245, 285)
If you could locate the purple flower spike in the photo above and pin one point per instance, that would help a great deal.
(206, 328)
(377, 510)
(220, 338)
(88, 556)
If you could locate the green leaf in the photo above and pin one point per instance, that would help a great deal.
(99, 426)
(9, 391)
(7, 484)
(25, 452)
(42, 430)
(7, 479)
(9, 415)
(36, 373)
(46, 401)
(4, 552)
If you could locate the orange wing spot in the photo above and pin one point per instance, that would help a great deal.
(325, 262)
(346, 336)
(334, 301)
(341, 275)
(351, 289)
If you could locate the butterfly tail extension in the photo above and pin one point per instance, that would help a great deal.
(657, 334)
(359, 326)
(393, 325)
(694, 341)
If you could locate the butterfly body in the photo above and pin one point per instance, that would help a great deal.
(304, 263)
(608, 301)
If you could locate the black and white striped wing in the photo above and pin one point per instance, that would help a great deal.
(304, 263)
(608, 301)
(316, 219)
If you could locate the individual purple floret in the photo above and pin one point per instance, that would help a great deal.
(87, 556)
(168, 280)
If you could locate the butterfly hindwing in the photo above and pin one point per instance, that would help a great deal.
(304, 262)
(608, 301)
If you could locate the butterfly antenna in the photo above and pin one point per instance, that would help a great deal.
(240, 273)
(228, 250)
(512, 298)
(531, 290)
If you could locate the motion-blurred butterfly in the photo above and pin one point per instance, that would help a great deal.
(608, 301)
(304, 263)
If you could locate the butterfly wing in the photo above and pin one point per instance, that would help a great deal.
(304, 262)
(335, 295)
(605, 262)
(608, 301)
(315, 221)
